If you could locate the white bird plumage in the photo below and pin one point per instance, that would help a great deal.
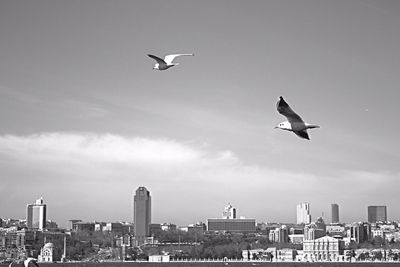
(294, 122)
(29, 262)
(167, 62)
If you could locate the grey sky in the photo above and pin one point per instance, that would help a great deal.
(85, 120)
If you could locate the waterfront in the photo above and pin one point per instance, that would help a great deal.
(218, 264)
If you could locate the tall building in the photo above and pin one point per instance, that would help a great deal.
(36, 215)
(377, 214)
(303, 213)
(142, 214)
(229, 212)
(335, 213)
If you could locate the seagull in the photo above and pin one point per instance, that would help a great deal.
(29, 262)
(294, 122)
(166, 63)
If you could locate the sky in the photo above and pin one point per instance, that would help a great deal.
(85, 121)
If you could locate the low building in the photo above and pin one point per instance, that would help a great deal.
(159, 258)
(296, 238)
(286, 254)
(323, 249)
(231, 225)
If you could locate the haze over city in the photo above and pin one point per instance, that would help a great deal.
(84, 120)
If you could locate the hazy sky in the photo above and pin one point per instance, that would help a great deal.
(85, 120)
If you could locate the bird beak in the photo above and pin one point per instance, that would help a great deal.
(276, 127)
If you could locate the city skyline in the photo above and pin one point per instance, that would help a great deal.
(85, 120)
(142, 214)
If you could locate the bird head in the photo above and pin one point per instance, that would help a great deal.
(156, 66)
(284, 126)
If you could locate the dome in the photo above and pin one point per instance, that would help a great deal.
(49, 245)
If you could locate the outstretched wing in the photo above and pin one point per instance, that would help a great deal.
(302, 134)
(169, 58)
(284, 109)
(30, 262)
(159, 60)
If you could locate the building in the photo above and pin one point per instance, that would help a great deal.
(154, 229)
(36, 215)
(296, 238)
(303, 213)
(48, 253)
(159, 258)
(360, 232)
(315, 230)
(325, 248)
(70, 224)
(229, 222)
(25, 238)
(229, 212)
(279, 235)
(168, 227)
(141, 214)
(377, 214)
(80, 227)
(231, 225)
(336, 230)
(335, 213)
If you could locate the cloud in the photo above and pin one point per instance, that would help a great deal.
(96, 148)
(96, 172)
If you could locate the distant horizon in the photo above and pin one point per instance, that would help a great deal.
(326, 219)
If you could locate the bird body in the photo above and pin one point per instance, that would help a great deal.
(167, 62)
(29, 262)
(294, 122)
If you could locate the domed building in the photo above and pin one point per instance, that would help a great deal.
(48, 253)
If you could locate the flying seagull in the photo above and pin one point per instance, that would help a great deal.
(294, 122)
(29, 262)
(166, 63)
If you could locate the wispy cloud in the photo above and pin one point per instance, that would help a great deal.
(96, 147)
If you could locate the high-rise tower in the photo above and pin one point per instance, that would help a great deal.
(36, 215)
(303, 213)
(377, 214)
(335, 213)
(141, 214)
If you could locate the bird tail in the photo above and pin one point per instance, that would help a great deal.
(311, 126)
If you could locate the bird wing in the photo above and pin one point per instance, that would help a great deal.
(302, 134)
(284, 109)
(169, 58)
(30, 262)
(159, 60)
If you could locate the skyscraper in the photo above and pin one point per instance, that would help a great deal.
(335, 213)
(303, 213)
(36, 215)
(377, 214)
(141, 214)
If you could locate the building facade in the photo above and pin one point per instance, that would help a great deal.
(325, 248)
(377, 214)
(360, 232)
(36, 215)
(335, 213)
(48, 253)
(303, 213)
(141, 214)
(279, 235)
(231, 225)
